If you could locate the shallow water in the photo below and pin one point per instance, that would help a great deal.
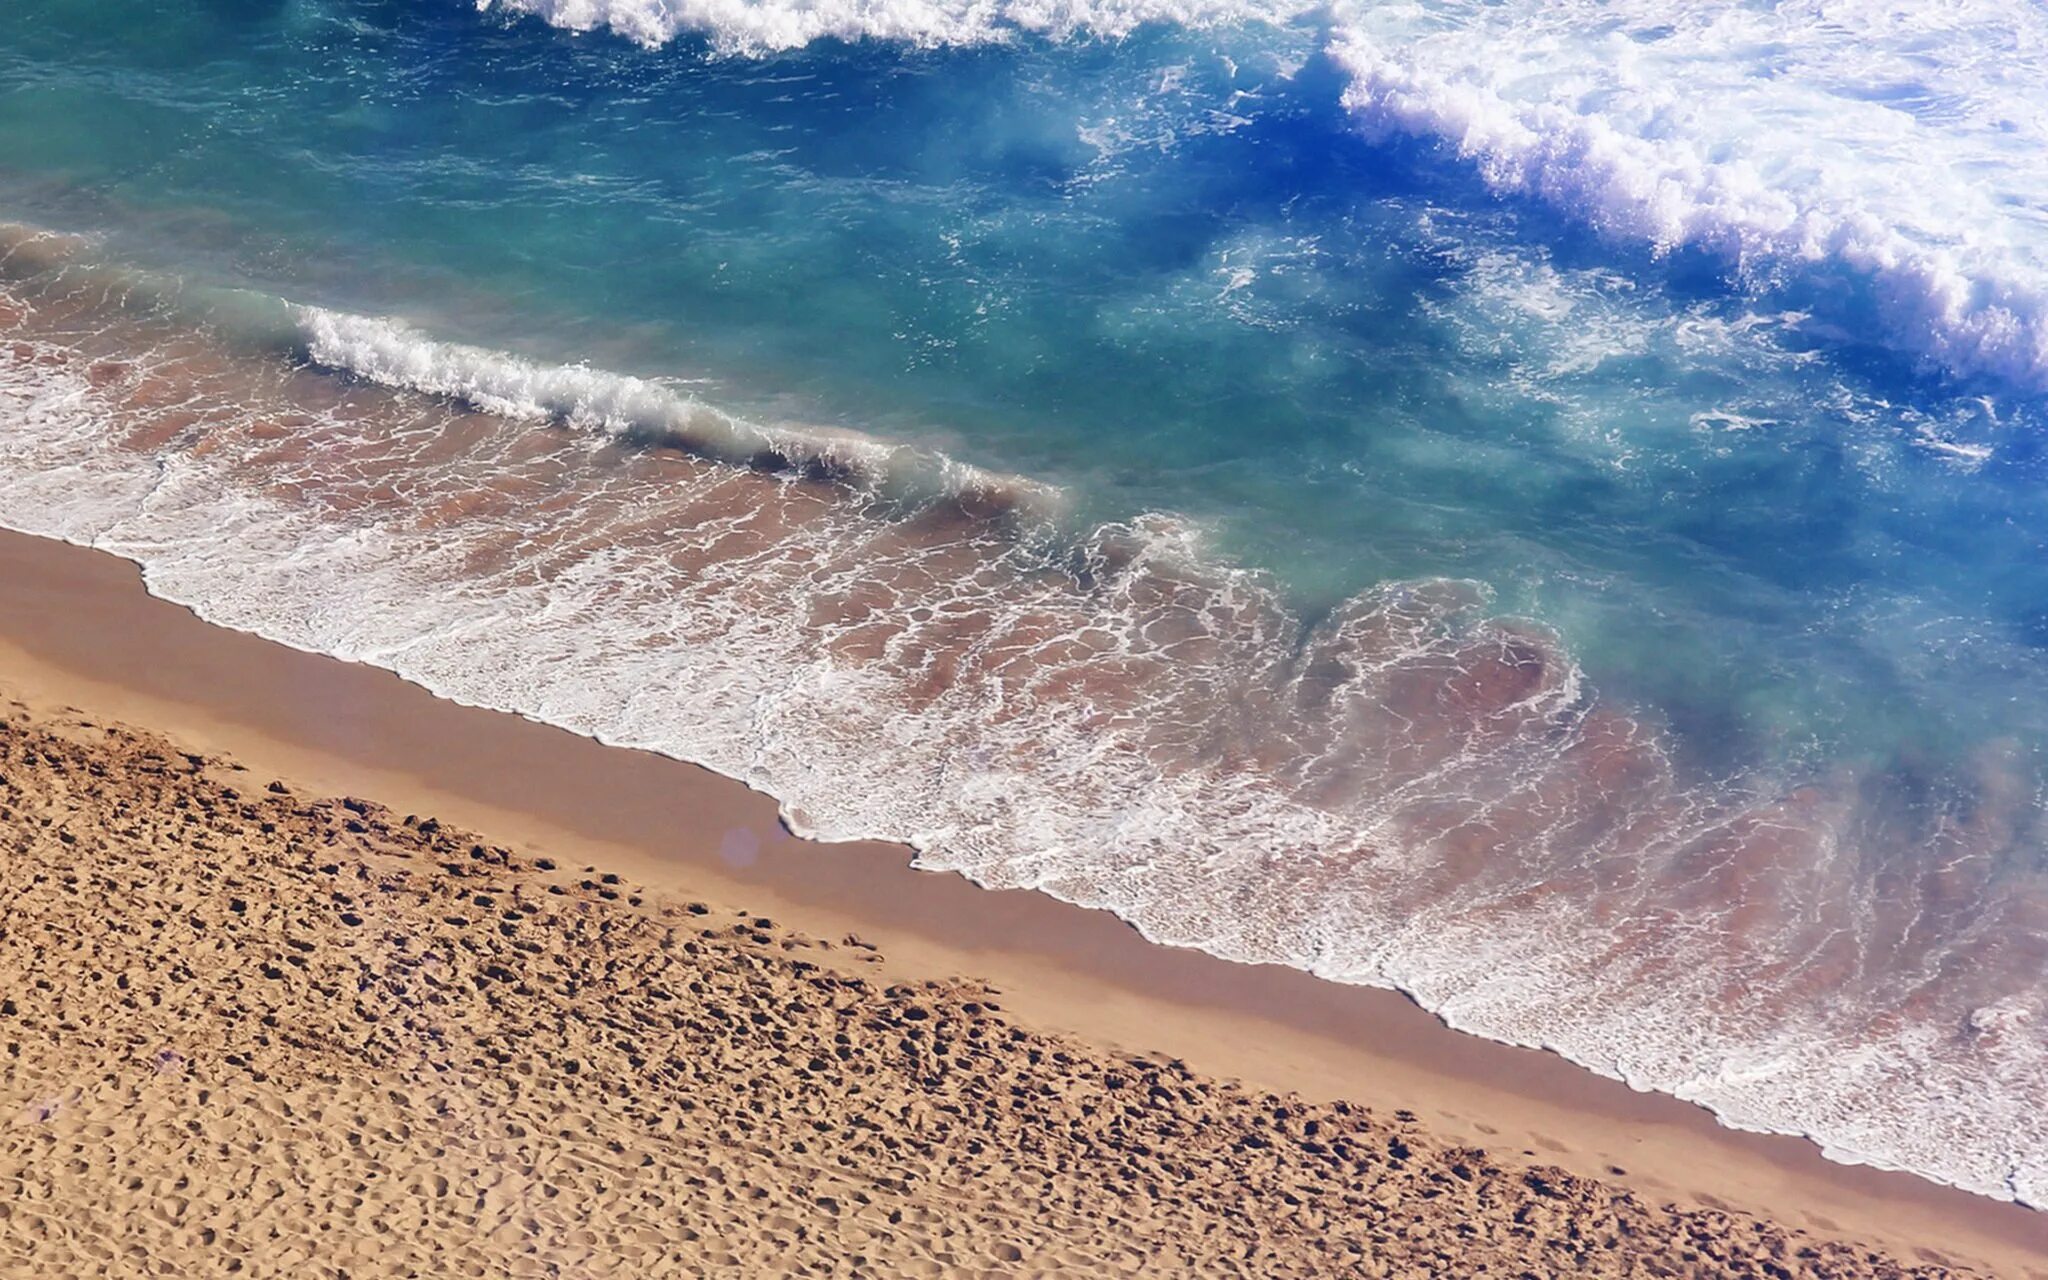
(1532, 504)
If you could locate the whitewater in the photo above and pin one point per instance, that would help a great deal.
(1906, 146)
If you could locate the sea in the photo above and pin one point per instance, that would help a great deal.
(1539, 504)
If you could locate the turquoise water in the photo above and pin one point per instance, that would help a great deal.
(1724, 402)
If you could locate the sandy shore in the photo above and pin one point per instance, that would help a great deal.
(249, 1026)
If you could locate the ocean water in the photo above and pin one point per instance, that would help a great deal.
(1538, 504)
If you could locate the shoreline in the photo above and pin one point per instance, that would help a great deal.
(77, 628)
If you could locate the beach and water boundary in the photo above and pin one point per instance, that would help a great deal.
(1411, 792)
(79, 630)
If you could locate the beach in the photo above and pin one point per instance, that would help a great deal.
(312, 973)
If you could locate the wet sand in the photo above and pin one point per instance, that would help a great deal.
(77, 631)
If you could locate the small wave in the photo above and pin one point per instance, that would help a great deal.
(1903, 147)
(1408, 791)
(27, 250)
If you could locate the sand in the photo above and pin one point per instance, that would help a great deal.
(253, 1026)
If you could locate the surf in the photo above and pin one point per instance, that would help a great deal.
(1410, 789)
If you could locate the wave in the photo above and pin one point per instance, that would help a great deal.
(1895, 159)
(1901, 144)
(745, 26)
(1411, 791)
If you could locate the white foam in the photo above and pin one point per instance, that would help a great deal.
(753, 26)
(1904, 143)
(395, 354)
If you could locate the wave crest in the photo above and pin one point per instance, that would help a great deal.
(745, 26)
(1895, 143)
(1410, 790)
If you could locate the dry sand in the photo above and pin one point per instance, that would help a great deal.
(250, 1030)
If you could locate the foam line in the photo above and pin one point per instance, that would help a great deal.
(1410, 791)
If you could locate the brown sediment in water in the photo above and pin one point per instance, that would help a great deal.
(1406, 787)
(237, 1011)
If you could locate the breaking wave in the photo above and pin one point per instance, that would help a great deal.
(1893, 157)
(740, 26)
(1410, 791)
(394, 354)
(1900, 144)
